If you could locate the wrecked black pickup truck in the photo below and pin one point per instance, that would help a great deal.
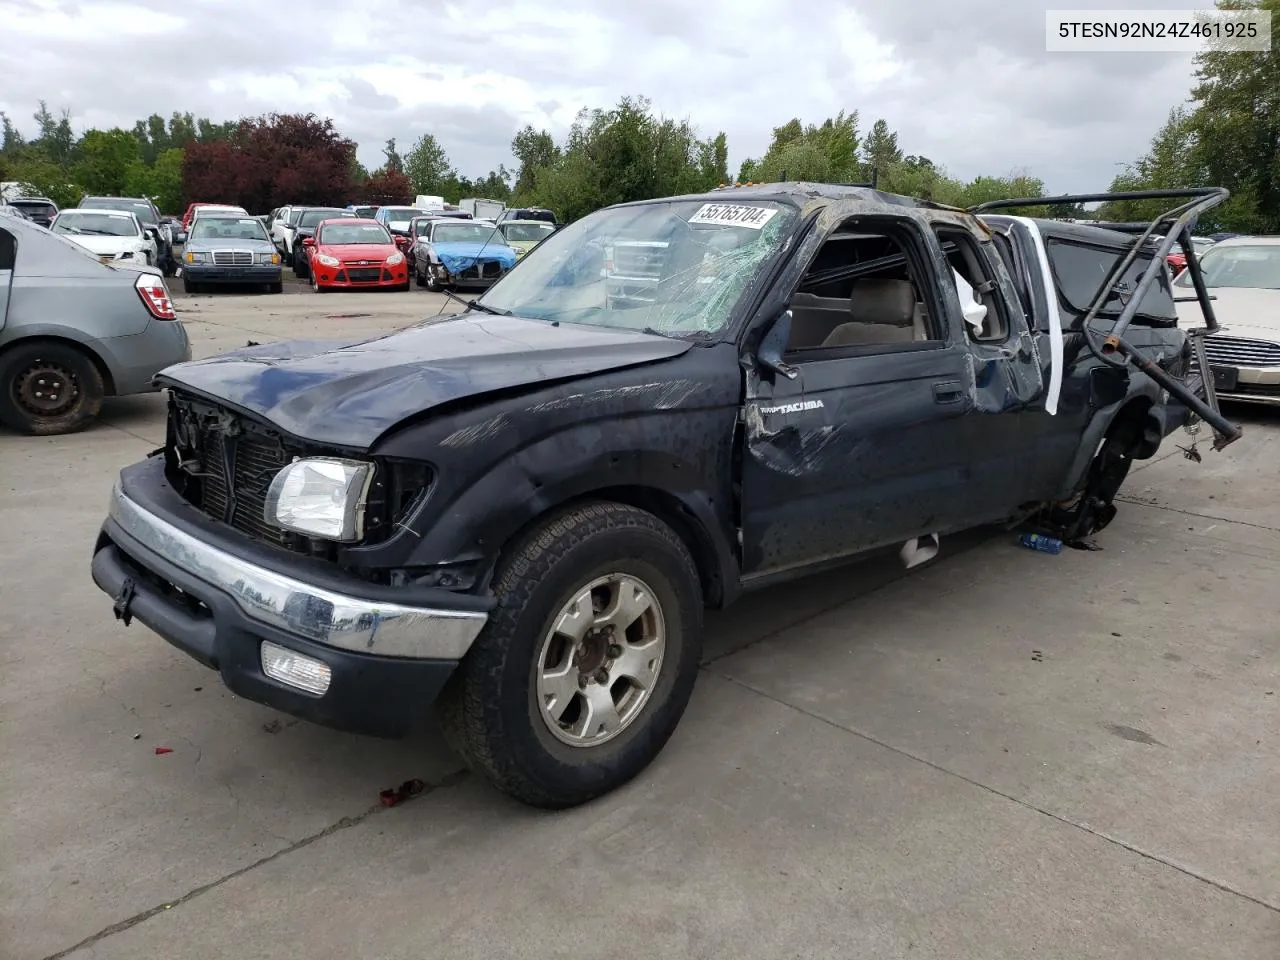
(521, 511)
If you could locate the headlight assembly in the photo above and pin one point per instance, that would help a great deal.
(321, 497)
(327, 260)
(395, 259)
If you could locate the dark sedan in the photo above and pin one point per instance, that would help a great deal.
(307, 224)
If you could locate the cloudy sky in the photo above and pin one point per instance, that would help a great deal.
(965, 82)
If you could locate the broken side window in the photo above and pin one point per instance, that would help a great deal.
(862, 294)
(986, 320)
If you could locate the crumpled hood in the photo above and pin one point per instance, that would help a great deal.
(1242, 311)
(350, 393)
(459, 256)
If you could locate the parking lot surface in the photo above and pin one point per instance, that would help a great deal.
(1000, 754)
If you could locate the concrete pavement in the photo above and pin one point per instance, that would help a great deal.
(1002, 754)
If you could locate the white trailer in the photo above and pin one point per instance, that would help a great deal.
(482, 209)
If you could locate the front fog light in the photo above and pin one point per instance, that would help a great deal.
(305, 673)
(321, 497)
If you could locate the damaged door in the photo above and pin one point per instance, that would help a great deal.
(857, 438)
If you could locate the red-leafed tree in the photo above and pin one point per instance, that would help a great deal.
(386, 188)
(270, 161)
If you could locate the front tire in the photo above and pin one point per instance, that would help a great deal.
(189, 286)
(48, 388)
(588, 661)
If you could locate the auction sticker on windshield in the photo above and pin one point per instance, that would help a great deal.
(733, 215)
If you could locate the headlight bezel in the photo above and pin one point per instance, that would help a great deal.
(358, 477)
(325, 260)
(395, 259)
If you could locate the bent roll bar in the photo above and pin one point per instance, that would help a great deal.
(1180, 219)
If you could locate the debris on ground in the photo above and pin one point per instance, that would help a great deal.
(160, 751)
(1084, 544)
(1038, 541)
(393, 796)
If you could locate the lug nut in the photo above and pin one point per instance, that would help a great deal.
(602, 676)
(615, 651)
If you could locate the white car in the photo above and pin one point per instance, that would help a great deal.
(220, 210)
(110, 235)
(277, 226)
(1243, 276)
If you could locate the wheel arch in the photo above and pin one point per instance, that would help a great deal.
(718, 583)
(1138, 414)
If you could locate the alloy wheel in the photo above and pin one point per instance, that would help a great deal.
(600, 660)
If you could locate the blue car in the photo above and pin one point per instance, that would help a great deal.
(449, 253)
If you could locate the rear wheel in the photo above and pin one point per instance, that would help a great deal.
(587, 663)
(48, 388)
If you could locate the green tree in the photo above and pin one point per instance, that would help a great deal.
(56, 138)
(1227, 135)
(880, 148)
(623, 154)
(983, 189)
(823, 153)
(162, 181)
(713, 160)
(395, 163)
(182, 129)
(44, 178)
(1236, 126)
(428, 167)
(106, 159)
(535, 150)
(12, 139)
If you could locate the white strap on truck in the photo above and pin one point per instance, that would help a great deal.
(1055, 319)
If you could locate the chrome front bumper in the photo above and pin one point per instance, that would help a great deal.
(1264, 384)
(338, 620)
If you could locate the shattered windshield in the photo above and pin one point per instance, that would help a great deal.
(676, 268)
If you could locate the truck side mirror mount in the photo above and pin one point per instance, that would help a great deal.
(774, 345)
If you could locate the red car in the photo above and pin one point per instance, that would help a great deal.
(352, 253)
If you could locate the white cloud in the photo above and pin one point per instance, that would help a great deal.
(965, 82)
